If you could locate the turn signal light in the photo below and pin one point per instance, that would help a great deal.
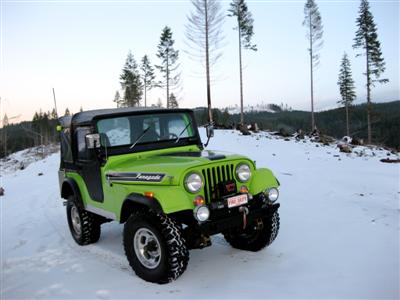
(149, 194)
(244, 189)
(199, 200)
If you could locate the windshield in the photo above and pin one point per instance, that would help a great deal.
(141, 129)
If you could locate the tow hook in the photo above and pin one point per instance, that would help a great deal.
(245, 211)
(259, 224)
(205, 241)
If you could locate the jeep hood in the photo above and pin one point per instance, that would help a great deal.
(174, 164)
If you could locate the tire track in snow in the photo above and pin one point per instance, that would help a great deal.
(92, 251)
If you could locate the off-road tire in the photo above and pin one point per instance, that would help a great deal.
(174, 253)
(252, 239)
(90, 226)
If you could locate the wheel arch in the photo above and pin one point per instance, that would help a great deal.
(135, 202)
(70, 188)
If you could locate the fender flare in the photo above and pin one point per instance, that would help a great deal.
(70, 187)
(136, 200)
(151, 203)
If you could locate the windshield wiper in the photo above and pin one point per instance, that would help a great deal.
(184, 129)
(140, 137)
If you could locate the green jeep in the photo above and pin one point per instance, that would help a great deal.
(148, 168)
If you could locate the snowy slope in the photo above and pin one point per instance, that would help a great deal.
(249, 108)
(21, 159)
(339, 235)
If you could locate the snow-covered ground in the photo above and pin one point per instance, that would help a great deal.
(339, 234)
(21, 159)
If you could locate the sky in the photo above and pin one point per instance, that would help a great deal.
(79, 48)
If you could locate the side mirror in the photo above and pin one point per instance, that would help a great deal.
(210, 130)
(93, 141)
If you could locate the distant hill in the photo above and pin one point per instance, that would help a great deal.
(272, 108)
(385, 121)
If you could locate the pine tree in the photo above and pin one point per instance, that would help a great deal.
(35, 117)
(37, 127)
(346, 87)
(53, 114)
(45, 128)
(173, 102)
(204, 35)
(159, 103)
(66, 113)
(148, 76)
(313, 23)
(35, 124)
(117, 99)
(131, 83)
(239, 10)
(169, 61)
(215, 114)
(225, 118)
(204, 117)
(367, 39)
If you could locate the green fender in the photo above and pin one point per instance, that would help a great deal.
(263, 178)
(170, 199)
(176, 199)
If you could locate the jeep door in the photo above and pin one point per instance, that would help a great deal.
(87, 164)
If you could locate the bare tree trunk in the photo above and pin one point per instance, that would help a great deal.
(312, 78)
(55, 102)
(210, 118)
(347, 120)
(368, 100)
(145, 94)
(167, 81)
(241, 75)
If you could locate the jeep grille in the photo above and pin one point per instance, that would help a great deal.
(213, 176)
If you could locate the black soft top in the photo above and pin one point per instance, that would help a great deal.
(86, 117)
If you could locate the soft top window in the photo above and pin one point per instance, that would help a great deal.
(122, 131)
(65, 138)
(80, 135)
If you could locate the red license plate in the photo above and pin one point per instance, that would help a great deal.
(237, 200)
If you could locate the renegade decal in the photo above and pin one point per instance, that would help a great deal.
(145, 177)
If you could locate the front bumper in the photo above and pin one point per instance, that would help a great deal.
(235, 219)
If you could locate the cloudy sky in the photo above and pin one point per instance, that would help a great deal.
(79, 48)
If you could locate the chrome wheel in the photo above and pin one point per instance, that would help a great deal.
(76, 220)
(147, 248)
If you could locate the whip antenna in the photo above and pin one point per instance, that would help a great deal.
(55, 102)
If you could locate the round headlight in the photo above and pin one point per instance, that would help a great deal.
(273, 194)
(201, 213)
(243, 172)
(193, 182)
